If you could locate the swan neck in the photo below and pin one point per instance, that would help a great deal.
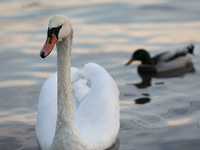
(66, 134)
(64, 71)
(65, 103)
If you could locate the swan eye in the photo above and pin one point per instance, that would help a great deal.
(54, 30)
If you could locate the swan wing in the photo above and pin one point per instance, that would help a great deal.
(47, 106)
(47, 112)
(80, 89)
(97, 116)
(97, 113)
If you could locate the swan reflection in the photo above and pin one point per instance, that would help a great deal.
(115, 146)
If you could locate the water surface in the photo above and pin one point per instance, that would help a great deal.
(157, 112)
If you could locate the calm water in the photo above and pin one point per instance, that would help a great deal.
(157, 113)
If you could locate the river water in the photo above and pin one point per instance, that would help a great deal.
(157, 112)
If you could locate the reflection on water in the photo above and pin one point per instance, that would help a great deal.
(178, 122)
(147, 77)
(115, 146)
(160, 111)
(16, 83)
(18, 137)
(194, 106)
(142, 100)
(183, 145)
(19, 118)
(146, 80)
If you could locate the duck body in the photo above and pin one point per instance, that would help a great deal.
(77, 109)
(166, 61)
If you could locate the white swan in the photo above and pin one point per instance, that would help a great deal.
(63, 122)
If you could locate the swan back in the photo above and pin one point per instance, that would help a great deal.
(97, 116)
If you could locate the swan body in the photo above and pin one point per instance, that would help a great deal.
(77, 109)
(166, 61)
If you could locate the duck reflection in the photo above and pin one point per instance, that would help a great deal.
(147, 77)
(146, 80)
(143, 100)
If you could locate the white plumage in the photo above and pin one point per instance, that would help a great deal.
(95, 107)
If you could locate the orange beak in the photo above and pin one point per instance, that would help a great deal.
(48, 46)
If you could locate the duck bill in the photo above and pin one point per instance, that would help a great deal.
(129, 62)
(48, 46)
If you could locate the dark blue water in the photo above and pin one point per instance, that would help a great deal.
(157, 112)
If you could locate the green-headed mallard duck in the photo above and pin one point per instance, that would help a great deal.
(166, 61)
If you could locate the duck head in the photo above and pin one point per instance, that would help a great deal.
(141, 55)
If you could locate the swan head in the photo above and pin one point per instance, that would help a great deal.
(59, 28)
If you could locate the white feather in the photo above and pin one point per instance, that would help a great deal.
(95, 108)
